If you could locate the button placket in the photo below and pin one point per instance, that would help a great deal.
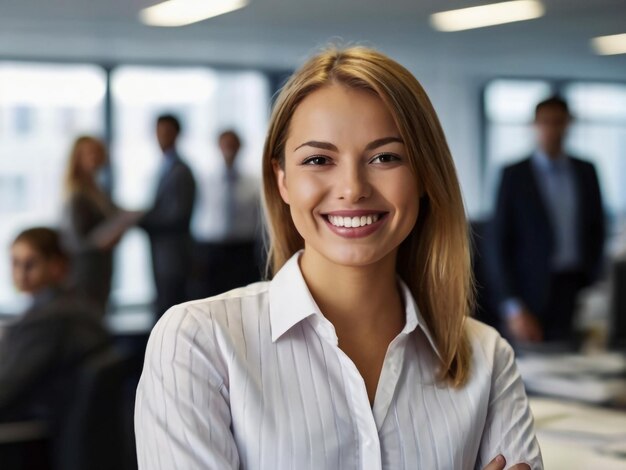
(389, 377)
(370, 452)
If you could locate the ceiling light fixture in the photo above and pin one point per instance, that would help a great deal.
(610, 45)
(487, 15)
(183, 12)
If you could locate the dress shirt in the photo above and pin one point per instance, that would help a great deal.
(557, 185)
(254, 379)
(227, 208)
(169, 157)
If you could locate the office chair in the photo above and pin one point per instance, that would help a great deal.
(486, 308)
(91, 433)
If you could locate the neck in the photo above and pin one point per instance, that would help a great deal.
(357, 299)
(553, 153)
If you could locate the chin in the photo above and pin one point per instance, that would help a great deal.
(356, 256)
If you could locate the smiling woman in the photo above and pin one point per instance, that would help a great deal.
(359, 353)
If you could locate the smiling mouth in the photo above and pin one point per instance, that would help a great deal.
(354, 222)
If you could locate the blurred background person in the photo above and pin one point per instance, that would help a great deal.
(167, 223)
(41, 350)
(548, 233)
(91, 223)
(226, 226)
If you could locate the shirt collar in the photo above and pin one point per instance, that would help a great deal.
(291, 302)
(44, 296)
(170, 154)
(290, 298)
(544, 162)
(414, 317)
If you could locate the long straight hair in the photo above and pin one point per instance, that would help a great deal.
(434, 260)
(78, 182)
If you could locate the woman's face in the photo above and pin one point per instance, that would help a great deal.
(347, 178)
(31, 271)
(90, 158)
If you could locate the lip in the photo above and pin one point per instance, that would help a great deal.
(355, 232)
(353, 213)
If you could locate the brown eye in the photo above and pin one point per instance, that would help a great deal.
(385, 158)
(316, 160)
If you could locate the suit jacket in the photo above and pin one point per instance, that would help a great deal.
(168, 222)
(41, 352)
(523, 237)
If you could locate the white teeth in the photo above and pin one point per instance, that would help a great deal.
(351, 222)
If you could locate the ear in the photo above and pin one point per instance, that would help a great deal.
(281, 181)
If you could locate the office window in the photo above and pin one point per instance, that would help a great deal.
(597, 134)
(43, 107)
(206, 101)
(509, 110)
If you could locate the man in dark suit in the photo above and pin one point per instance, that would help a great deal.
(167, 223)
(548, 233)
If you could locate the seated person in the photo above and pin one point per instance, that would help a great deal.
(41, 351)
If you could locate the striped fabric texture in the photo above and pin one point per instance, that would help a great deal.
(254, 379)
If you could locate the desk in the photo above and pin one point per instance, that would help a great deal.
(573, 436)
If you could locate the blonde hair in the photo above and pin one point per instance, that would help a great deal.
(434, 260)
(75, 179)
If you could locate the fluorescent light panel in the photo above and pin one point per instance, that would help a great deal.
(184, 12)
(609, 45)
(487, 15)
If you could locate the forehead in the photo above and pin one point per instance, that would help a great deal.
(552, 112)
(166, 124)
(338, 112)
(89, 146)
(229, 138)
(23, 249)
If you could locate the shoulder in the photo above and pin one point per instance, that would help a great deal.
(77, 199)
(180, 166)
(490, 350)
(218, 320)
(515, 173)
(59, 315)
(519, 166)
(582, 165)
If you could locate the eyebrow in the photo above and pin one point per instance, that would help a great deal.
(371, 146)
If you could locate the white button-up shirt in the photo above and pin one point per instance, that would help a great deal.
(254, 379)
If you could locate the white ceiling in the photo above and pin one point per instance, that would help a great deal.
(278, 33)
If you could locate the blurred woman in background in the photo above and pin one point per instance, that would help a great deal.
(92, 225)
(40, 352)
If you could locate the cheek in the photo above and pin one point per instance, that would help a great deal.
(305, 192)
(403, 193)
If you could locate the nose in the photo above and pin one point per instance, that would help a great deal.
(353, 184)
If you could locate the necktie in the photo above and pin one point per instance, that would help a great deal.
(230, 203)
